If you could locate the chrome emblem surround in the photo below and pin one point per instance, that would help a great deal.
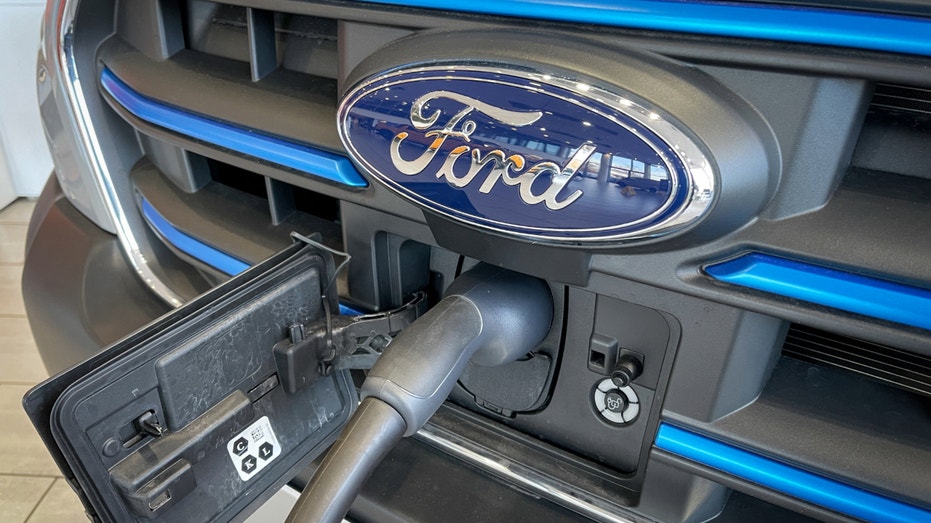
(692, 176)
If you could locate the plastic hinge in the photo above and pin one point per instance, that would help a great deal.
(340, 342)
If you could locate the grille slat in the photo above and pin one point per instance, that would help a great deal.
(916, 378)
(896, 378)
(913, 100)
(864, 354)
(895, 367)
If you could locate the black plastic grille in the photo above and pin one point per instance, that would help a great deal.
(266, 39)
(896, 367)
(915, 101)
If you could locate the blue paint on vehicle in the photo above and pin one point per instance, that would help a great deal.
(785, 23)
(842, 290)
(191, 246)
(205, 253)
(298, 156)
(346, 310)
(787, 479)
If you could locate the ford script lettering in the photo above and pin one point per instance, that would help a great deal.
(559, 161)
(501, 168)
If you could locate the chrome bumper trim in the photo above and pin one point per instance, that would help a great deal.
(84, 130)
(547, 487)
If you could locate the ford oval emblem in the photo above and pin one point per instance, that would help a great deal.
(528, 154)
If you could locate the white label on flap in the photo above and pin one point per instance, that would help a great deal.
(254, 448)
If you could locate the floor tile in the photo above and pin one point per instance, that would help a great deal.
(18, 212)
(20, 447)
(21, 361)
(60, 505)
(12, 242)
(11, 293)
(20, 495)
(277, 508)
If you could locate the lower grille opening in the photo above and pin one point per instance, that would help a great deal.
(236, 178)
(284, 199)
(237, 212)
(899, 368)
(316, 204)
(895, 132)
(217, 29)
(840, 408)
(300, 43)
(905, 101)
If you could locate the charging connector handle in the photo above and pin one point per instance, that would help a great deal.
(374, 429)
(489, 315)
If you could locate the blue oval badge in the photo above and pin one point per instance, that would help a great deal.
(527, 154)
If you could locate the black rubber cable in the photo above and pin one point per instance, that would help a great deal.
(490, 316)
(373, 431)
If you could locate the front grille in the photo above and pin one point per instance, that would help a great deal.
(266, 40)
(239, 212)
(914, 101)
(896, 131)
(284, 199)
(279, 75)
(903, 369)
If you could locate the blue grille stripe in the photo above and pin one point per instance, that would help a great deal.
(201, 251)
(295, 155)
(844, 28)
(793, 481)
(192, 247)
(830, 287)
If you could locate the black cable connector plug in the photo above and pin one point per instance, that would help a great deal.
(490, 316)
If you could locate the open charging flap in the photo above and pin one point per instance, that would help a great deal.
(187, 419)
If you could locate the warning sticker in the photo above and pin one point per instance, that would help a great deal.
(253, 448)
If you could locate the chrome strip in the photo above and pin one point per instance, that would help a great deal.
(84, 129)
(546, 487)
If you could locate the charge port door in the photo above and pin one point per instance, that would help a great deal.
(189, 418)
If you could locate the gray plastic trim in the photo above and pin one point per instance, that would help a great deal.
(751, 489)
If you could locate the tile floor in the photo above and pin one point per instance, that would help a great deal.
(31, 487)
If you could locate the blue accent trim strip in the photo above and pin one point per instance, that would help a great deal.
(199, 250)
(295, 155)
(830, 287)
(843, 28)
(793, 481)
(191, 246)
(346, 310)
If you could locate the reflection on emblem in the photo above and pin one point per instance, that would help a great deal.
(526, 154)
(499, 167)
